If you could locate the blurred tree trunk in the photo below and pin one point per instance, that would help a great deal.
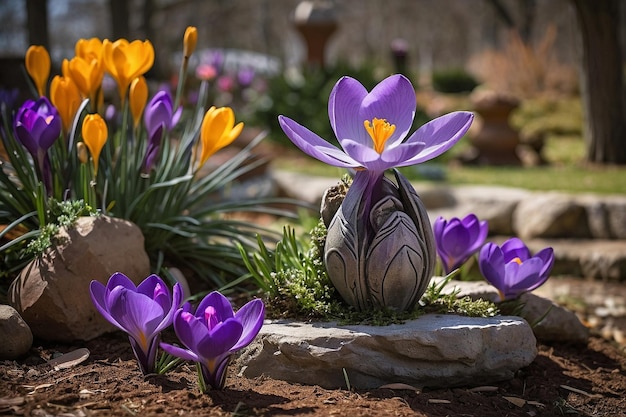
(602, 81)
(120, 23)
(37, 22)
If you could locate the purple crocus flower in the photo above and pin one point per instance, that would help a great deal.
(37, 125)
(373, 131)
(511, 268)
(458, 239)
(142, 311)
(159, 116)
(214, 333)
(245, 76)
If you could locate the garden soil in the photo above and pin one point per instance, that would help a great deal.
(569, 380)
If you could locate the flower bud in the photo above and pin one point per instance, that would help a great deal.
(81, 151)
(189, 41)
(38, 67)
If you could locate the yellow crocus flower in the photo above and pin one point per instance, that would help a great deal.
(38, 67)
(126, 61)
(218, 130)
(190, 40)
(138, 97)
(65, 96)
(89, 49)
(95, 135)
(87, 74)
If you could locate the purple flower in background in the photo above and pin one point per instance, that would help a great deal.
(159, 116)
(142, 312)
(458, 239)
(245, 76)
(214, 333)
(37, 125)
(511, 268)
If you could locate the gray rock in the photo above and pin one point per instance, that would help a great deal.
(14, 332)
(433, 350)
(52, 292)
(550, 321)
(493, 204)
(589, 258)
(550, 215)
(606, 215)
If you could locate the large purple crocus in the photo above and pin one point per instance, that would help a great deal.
(159, 116)
(458, 239)
(37, 125)
(142, 311)
(214, 333)
(512, 269)
(380, 251)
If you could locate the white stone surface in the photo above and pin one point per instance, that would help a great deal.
(433, 350)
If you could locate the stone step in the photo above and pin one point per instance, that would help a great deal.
(587, 232)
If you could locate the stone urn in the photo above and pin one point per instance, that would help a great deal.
(495, 142)
(52, 291)
(316, 22)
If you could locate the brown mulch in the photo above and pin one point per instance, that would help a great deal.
(563, 380)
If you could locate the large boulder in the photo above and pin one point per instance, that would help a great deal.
(52, 292)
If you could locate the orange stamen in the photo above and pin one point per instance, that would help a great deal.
(379, 130)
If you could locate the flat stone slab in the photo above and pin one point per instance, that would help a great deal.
(432, 350)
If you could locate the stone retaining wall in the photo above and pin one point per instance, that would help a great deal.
(587, 231)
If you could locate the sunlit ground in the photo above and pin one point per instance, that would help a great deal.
(565, 171)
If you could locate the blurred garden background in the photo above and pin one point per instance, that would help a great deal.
(266, 58)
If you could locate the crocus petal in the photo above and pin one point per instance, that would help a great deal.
(136, 313)
(137, 98)
(315, 146)
(491, 264)
(177, 299)
(147, 286)
(440, 134)
(95, 135)
(523, 277)
(547, 257)
(393, 99)
(515, 248)
(223, 337)
(251, 316)
(189, 329)
(98, 294)
(38, 66)
(189, 40)
(223, 308)
(217, 131)
(179, 352)
(118, 279)
(344, 104)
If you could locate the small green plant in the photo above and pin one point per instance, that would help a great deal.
(293, 275)
(62, 214)
(453, 80)
(293, 278)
